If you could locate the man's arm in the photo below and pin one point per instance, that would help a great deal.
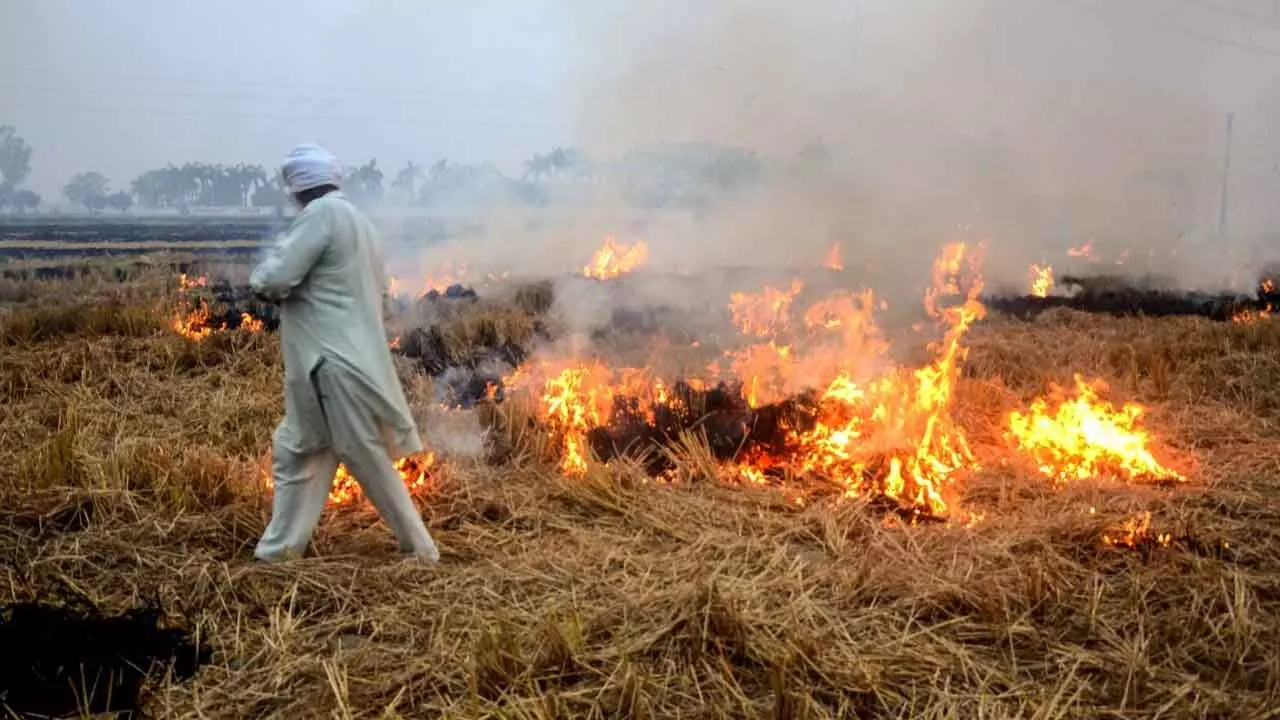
(292, 256)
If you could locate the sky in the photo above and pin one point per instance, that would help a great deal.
(1025, 109)
(122, 87)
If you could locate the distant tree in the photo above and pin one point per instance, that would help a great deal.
(120, 201)
(537, 166)
(88, 190)
(15, 157)
(270, 194)
(24, 200)
(364, 183)
(407, 180)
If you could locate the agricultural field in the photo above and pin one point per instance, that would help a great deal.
(786, 504)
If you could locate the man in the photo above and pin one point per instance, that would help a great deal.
(343, 401)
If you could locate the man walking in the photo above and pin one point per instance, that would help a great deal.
(343, 401)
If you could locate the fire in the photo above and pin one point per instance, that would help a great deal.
(345, 490)
(894, 435)
(447, 276)
(1249, 317)
(877, 428)
(251, 324)
(1041, 280)
(192, 320)
(1085, 437)
(1084, 251)
(1135, 532)
(193, 324)
(833, 258)
(764, 314)
(615, 258)
(574, 401)
(413, 470)
(844, 413)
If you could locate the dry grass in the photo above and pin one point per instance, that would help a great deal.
(133, 473)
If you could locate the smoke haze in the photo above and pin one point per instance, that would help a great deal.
(888, 127)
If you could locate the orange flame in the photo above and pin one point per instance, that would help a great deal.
(1086, 437)
(879, 428)
(833, 258)
(1249, 317)
(1136, 531)
(1041, 280)
(345, 490)
(1084, 251)
(250, 324)
(447, 276)
(189, 321)
(193, 324)
(763, 314)
(413, 471)
(615, 258)
(192, 319)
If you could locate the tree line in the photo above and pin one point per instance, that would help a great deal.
(663, 175)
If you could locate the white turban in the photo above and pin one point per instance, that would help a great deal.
(308, 166)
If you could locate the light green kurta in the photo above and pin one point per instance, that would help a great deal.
(326, 271)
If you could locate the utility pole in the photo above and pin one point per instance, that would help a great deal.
(1226, 179)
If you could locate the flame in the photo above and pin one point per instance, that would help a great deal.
(1268, 287)
(833, 258)
(192, 321)
(185, 284)
(413, 471)
(574, 401)
(615, 258)
(894, 435)
(345, 489)
(395, 343)
(447, 276)
(1086, 437)
(867, 424)
(250, 324)
(766, 313)
(1136, 531)
(393, 286)
(192, 318)
(879, 428)
(1084, 251)
(193, 324)
(1041, 280)
(1249, 317)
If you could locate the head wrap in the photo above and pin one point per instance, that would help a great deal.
(308, 166)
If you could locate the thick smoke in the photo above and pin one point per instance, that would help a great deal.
(1036, 124)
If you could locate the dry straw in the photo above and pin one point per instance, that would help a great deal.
(132, 473)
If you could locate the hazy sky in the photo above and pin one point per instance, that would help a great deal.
(122, 87)
(1073, 95)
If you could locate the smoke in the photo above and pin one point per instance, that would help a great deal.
(1037, 125)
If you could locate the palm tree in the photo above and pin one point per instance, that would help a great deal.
(406, 182)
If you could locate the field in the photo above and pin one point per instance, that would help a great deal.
(134, 474)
